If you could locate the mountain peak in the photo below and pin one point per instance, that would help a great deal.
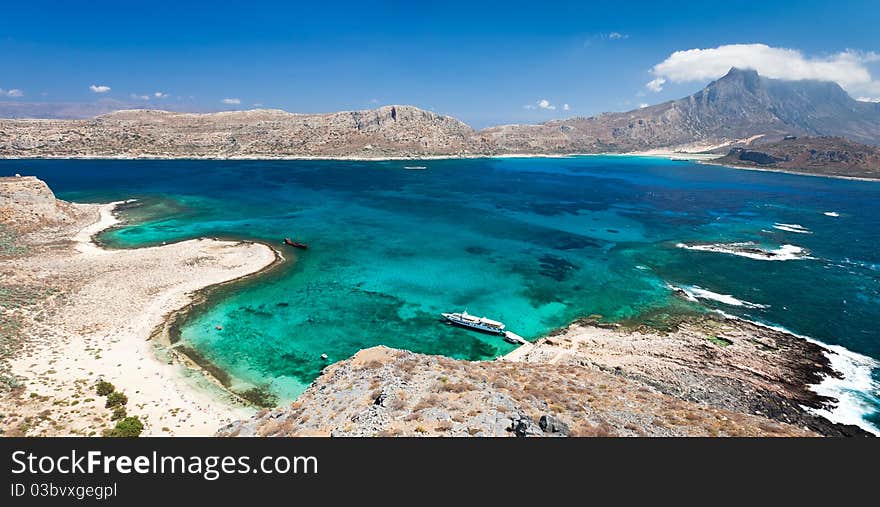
(740, 72)
(739, 78)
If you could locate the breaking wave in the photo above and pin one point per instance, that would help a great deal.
(751, 251)
(792, 228)
(856, 392)
(695, 293)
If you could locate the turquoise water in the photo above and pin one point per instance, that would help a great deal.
(536, 243)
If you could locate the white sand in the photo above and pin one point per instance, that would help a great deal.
(102, 330)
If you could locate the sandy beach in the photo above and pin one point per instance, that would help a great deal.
(97, 321)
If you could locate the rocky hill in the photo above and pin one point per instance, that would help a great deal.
(387, 131)
(708, 377)
(736, 108)
(830, 156)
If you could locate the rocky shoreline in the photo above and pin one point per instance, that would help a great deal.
(705, 376)
(714, 360)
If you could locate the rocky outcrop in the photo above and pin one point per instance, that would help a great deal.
(707, 377)
(828, 156)
(27, 203)
(388, 131)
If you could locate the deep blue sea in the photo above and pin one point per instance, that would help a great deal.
(534, 242)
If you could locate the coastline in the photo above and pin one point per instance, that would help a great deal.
(787, 171)
(658, 153)
(853, 373)
(751, 366)
(695, 157)
(110, 326)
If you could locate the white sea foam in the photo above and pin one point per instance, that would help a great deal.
(831, 214)
(694, 292)
(857, 393)
(792, 228)
(751, 251)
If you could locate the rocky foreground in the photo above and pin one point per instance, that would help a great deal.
(707, 377)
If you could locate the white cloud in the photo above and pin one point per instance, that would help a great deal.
(545, 104)
(847, 68)
(99, 88)
(15, 93)
(643, 105)
(160, 95)
(232, 101)
(139, 97)
(617, 35)
(656, 84)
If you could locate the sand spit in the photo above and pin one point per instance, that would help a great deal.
(95, 322)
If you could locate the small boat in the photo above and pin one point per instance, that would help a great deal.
(467, 320)
(414, 167)
(295, 244)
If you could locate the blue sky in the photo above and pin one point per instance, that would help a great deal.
(483, 62)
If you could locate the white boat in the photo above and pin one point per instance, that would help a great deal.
(465, 319)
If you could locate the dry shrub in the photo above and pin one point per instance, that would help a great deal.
(457, 387)
(407, 365)
(391, 432)
(399, 402)
(443, 426)
(770, 427)
(431, 400)
(585, 429)
(693, 416)
(635, 428)
(373, 364)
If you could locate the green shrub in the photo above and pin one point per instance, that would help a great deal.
(116, 399)
(104, 388)
(118, 413)
(128, 427)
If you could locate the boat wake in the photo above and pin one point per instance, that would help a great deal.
(800, 229)
(856, 391)
(695, 293)
(751, 250)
